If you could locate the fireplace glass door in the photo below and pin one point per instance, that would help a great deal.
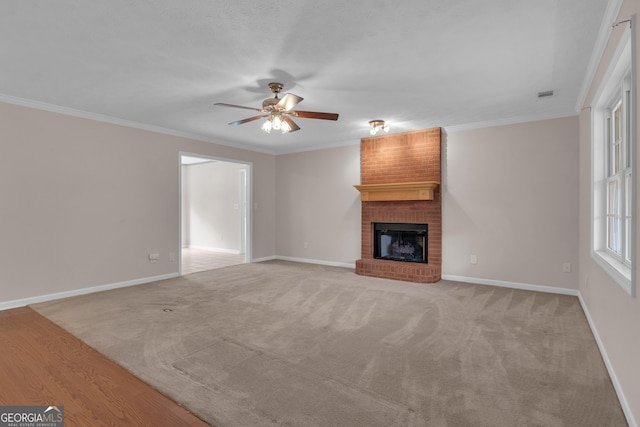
(400, 242)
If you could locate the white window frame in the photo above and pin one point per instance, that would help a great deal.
(618, 173)
(617, 88)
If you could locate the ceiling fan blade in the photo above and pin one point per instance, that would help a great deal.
(250, 119)
(236, 106)
(315, 115)
(294, 127)
(288, 101)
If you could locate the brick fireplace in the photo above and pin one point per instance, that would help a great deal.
(400, 177)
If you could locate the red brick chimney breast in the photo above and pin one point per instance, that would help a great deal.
(402, 158)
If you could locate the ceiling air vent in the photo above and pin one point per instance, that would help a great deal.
(545, 94)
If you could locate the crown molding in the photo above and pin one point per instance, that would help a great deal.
(505, 122)
(38, 105)
(610, 15)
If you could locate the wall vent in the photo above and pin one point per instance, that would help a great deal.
(545, 94)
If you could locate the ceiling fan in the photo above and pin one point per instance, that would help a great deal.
(278, 111)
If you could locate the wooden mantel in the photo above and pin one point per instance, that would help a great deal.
(394, 192)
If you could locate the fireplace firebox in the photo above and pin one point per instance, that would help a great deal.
(400, 242)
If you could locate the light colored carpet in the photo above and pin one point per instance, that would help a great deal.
(290, 344)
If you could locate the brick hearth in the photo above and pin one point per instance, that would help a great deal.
(402, 158)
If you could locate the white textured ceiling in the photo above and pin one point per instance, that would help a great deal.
(414, 63)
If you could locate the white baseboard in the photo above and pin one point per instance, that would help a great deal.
(66, 294)
(512, 285)
(563, 291)
(305, 260)
(614, 378)
(317, 261)
(263, 259)
(211, 248)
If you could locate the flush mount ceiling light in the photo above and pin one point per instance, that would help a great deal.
(376, 125)
(278, 111)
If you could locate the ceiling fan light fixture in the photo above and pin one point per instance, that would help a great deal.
(266, 126)
(376, 125)
(275, 122)
(279, 111)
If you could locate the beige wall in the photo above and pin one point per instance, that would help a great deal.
(614, 314)
(510, 197)
(317, 204)
(84, 202)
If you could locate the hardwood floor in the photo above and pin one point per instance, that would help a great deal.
(42, 364)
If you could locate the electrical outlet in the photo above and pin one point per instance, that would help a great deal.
(153, 257)
(473, 259)
(566, 267)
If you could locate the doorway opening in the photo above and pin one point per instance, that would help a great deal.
(214, 220)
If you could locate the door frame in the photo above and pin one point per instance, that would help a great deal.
(247, 192)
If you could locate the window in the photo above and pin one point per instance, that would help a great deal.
(613, 159)
(618, 194)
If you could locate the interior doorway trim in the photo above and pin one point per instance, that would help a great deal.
(247, 242)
